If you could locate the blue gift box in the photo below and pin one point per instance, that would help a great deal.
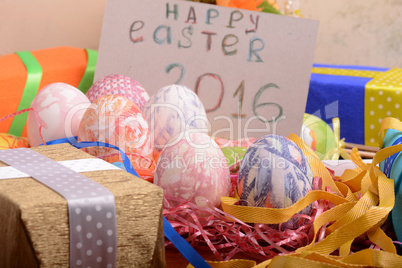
(341, 91)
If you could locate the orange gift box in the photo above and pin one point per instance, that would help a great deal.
(61, 64)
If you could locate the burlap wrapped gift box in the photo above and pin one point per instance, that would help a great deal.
(34, 228)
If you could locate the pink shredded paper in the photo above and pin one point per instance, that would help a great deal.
(207, 228)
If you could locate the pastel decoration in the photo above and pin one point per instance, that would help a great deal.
(171, 110)
(274, 173)
(117, 84)
(318, 135)
(193, 168)
(116, 120)
(60, 108)
(9, 141)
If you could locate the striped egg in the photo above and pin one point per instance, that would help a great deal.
(274, 173)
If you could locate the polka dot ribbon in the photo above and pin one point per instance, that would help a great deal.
(382, 99)
(91, 207)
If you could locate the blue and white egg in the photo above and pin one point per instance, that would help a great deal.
(274, 173)
(172, 110)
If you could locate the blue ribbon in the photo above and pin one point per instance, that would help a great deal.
(69, 140)
(126, 160)
(179, 242)
(84, 144)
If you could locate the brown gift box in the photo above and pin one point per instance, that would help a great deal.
(34, 228)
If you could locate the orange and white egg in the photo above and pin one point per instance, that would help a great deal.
(116, 120)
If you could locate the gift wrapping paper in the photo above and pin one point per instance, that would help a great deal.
(24, 73)
(360, 96)
(37, 223)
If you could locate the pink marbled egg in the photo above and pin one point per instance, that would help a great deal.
(193, 167)
(117, 84)
(59, 107)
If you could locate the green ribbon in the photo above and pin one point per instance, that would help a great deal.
(31, 88)
(33, 81)
(88, 77)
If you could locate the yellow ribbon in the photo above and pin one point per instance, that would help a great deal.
(338, 151)
(346, 72)
(387, 123)
(351, 218)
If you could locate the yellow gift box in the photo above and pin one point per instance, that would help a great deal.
(363, 97)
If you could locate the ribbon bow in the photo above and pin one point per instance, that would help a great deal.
(337, 151)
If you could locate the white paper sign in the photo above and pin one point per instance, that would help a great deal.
(250, 69)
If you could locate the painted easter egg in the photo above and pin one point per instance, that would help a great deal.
(116, 120)
(9, 141)
(274, 173)
(194, 169)
(58, 107)
(171, 110)
(392, 168)
(318, 135)
(117, 84)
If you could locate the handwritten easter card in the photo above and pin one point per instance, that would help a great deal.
(250, 69)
